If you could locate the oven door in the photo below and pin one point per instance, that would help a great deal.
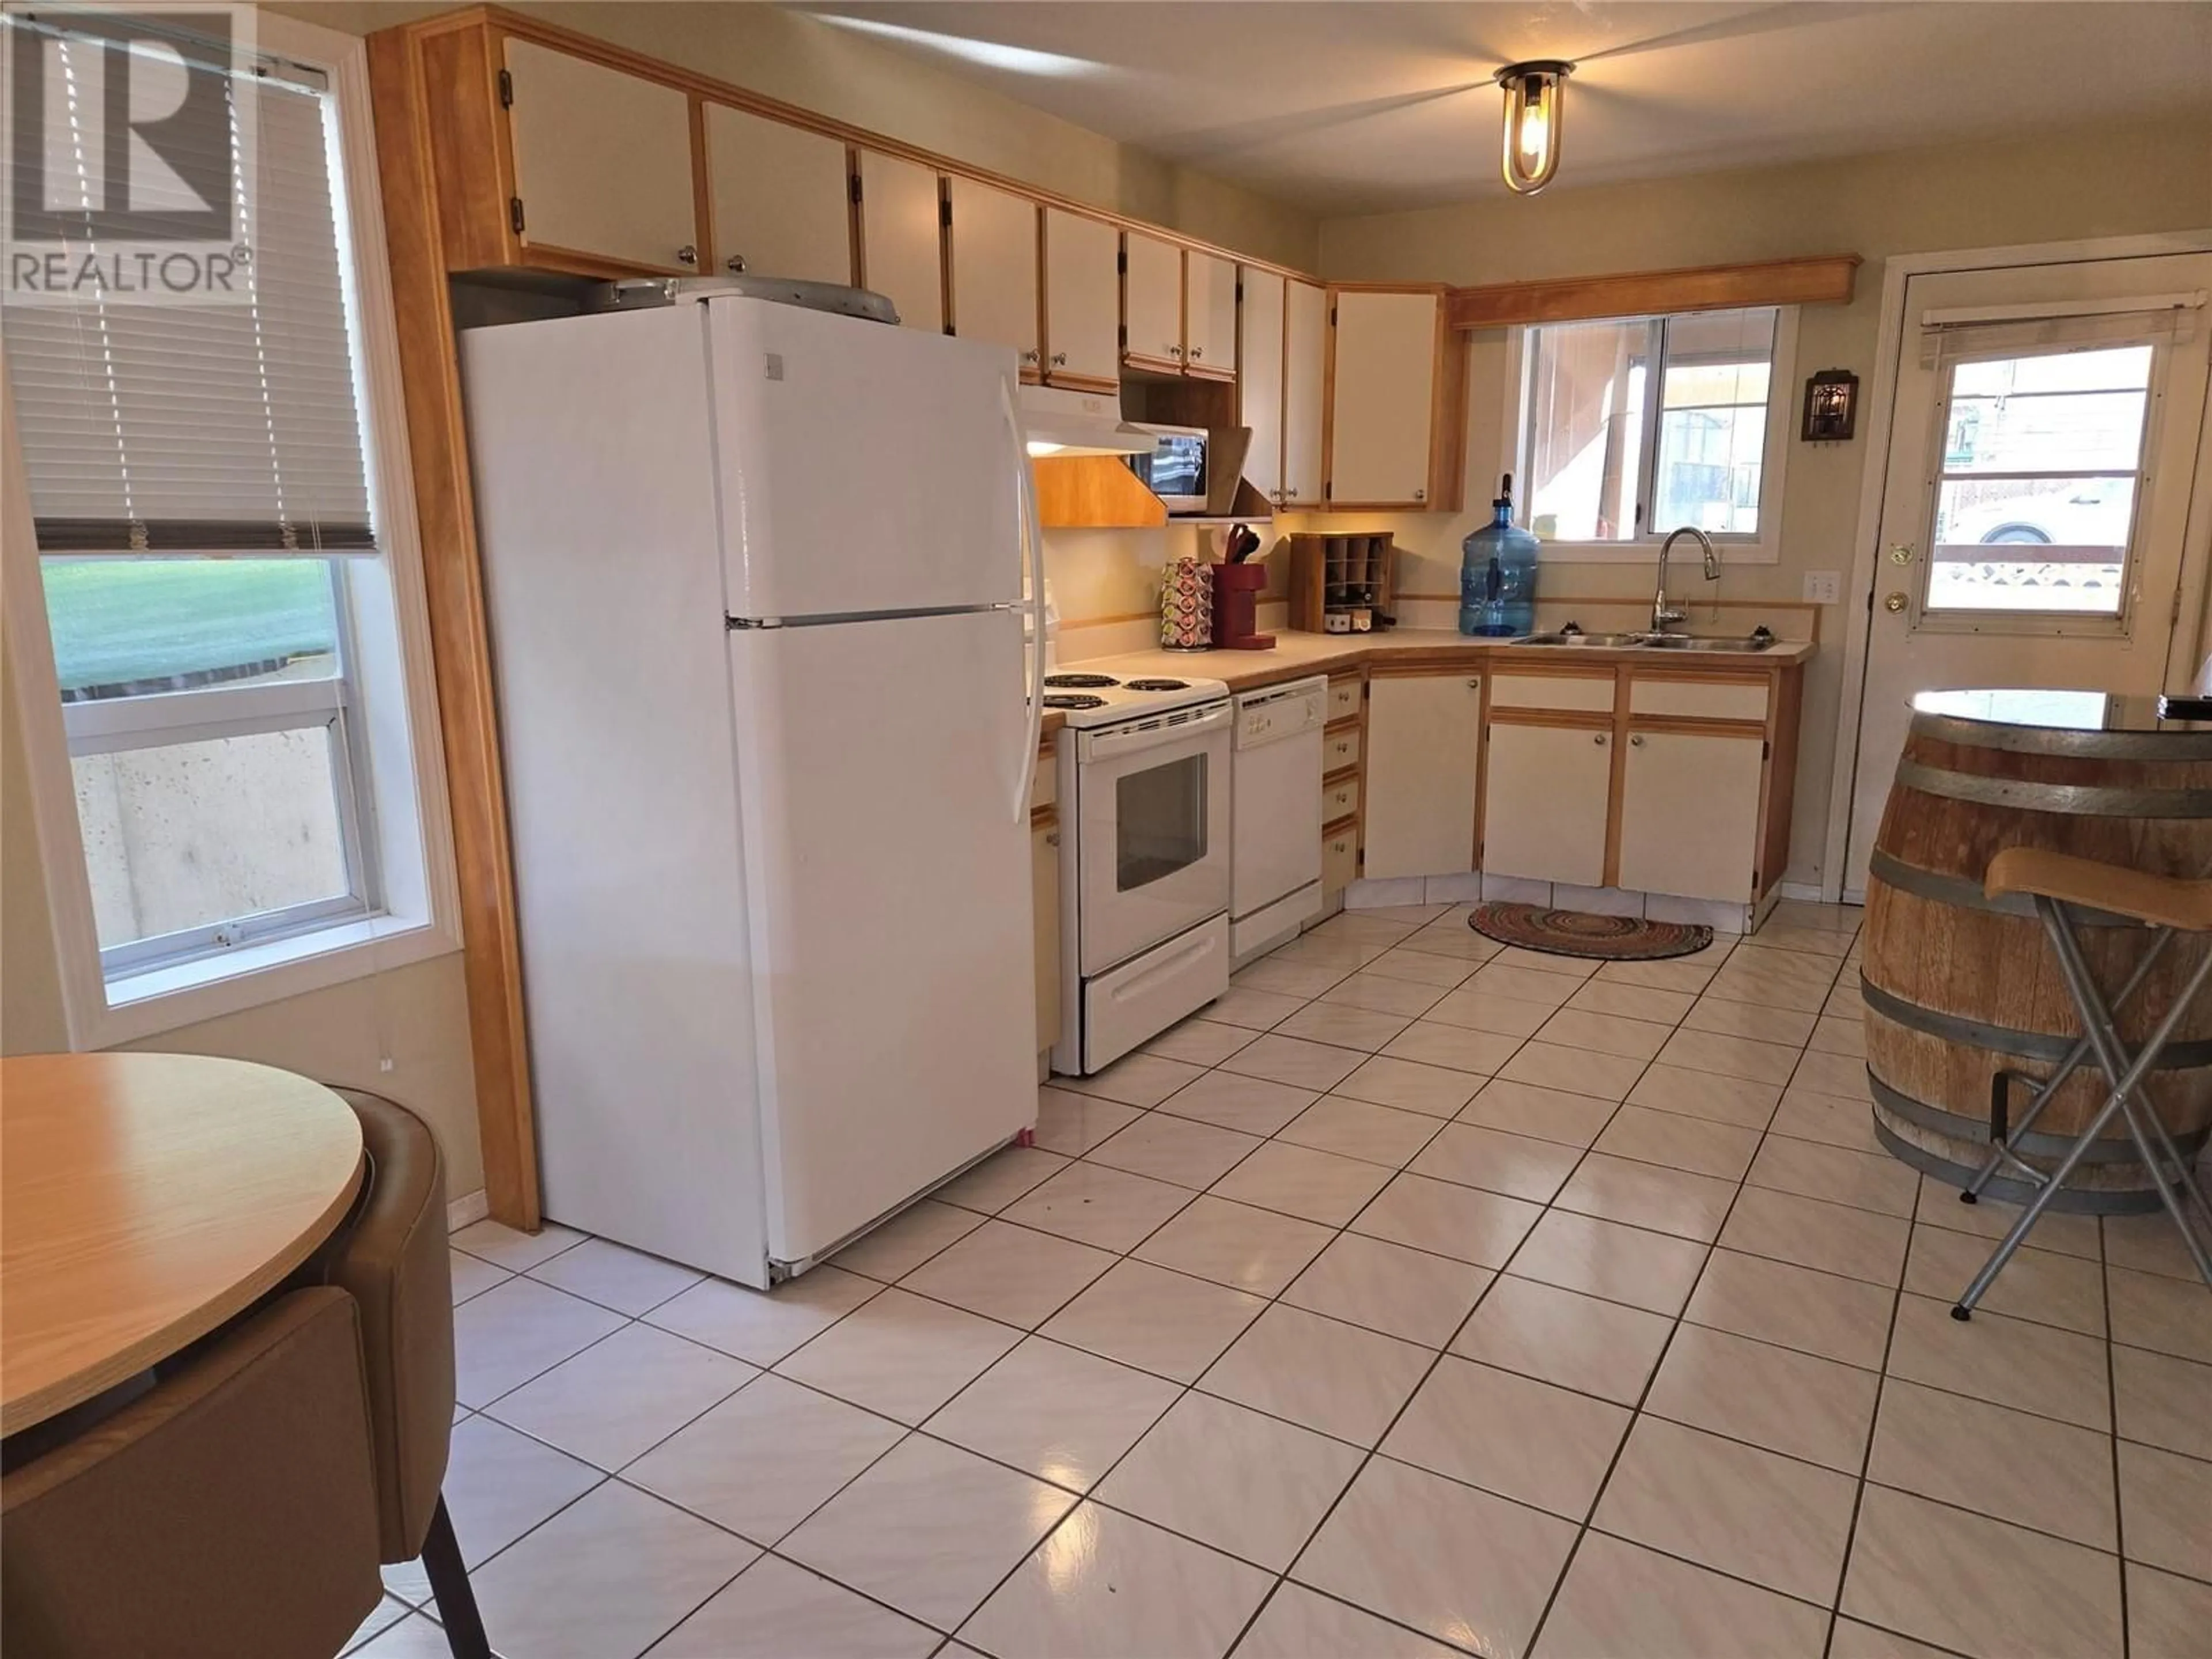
(1153, 831)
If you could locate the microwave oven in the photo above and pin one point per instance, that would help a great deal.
(1178, 472)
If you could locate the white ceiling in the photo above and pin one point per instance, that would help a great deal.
(1368, 105)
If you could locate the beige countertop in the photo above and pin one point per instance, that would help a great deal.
(1296, 654)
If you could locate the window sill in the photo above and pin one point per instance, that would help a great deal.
(1647, 553)
(162, 999)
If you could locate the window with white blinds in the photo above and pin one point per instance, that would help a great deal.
(222, 424)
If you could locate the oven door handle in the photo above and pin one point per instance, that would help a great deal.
(1108, 746)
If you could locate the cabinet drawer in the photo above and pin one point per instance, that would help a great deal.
(1340, 857)
(1340, 799)
(1339, 748)
(1701, 699)
(1590, 693)
(1343, 699)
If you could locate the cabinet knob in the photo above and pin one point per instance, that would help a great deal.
(1052, 837)
(1636, 741)
(1028, 357)
(687, 255)
(1599, 739)
(1174, 351)
(1060, 359)
(1291, 492)
(735, 264)
(1420, 495)
(1196, 352)
(1475, 685)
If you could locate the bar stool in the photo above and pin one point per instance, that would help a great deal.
(2061, 884)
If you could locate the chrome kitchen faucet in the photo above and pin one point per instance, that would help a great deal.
(1661, 617)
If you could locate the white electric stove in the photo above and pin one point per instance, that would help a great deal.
(1143, 789)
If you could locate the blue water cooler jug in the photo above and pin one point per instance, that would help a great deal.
(1497, 573)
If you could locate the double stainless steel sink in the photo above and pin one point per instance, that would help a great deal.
(1759, 640)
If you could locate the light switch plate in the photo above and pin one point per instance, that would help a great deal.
(1824, 587)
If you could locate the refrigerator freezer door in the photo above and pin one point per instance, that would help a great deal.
(894, 992)
(864, 469)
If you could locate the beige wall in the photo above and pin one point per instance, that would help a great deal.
(2108, 180)
(846, 75)
(417, 1016)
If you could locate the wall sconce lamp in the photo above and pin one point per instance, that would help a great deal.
(1534, 94)
(1831, 406)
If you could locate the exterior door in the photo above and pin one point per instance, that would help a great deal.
(2037, 499)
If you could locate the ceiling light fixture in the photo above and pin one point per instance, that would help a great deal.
(1535, 93)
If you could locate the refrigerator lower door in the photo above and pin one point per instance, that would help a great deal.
(888, 889)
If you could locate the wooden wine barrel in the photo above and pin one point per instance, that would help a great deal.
(1964, 997)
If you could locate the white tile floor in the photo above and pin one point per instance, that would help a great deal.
(1419, 1297)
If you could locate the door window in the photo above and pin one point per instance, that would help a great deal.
(2035, 489)
(1159, 821)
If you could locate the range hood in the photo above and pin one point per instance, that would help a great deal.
(1059, 422)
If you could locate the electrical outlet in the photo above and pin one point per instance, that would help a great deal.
(1823, 587)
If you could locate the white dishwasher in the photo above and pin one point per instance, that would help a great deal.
(1274, 859)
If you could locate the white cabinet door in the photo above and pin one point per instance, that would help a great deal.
(602, 161)
(1385, 348)
(994, 268)
(1152, 301)
(1423, 750)
(1305, 356)
(1082, 302)
(901, 245)
(783, 201)
(1544, 802)
(1209, 345)
(1260, 380)
(1689, 814)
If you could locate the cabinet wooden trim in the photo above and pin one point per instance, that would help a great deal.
(1593, 719)
(1821, 279)
(416, 217)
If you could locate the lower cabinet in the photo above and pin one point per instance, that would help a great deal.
(1340, 857)
(1546, 803)
(1689, 813)
(1424, 761)
(1045, 895)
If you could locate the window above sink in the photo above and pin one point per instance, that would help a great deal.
(1622, 429)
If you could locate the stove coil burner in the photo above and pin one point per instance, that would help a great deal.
(1159, 685)
(1080, 680)
(1072, 700)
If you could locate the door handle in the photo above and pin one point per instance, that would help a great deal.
(1895, 602)
(1901, 553)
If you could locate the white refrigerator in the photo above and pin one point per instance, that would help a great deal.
(755, 582)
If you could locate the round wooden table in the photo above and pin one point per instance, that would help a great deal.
(145, 1200)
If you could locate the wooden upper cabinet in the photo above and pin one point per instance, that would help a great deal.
(994, 269)
(1383, 358)
(1305, 356)
(602, 163)
(1082, 302)
(1260, 380)
(1209, 330)
(781, 197)
(902, 238)
(1152, 303)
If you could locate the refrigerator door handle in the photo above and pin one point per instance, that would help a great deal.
(1032, 536)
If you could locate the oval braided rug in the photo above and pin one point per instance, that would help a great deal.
(1578, 934)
